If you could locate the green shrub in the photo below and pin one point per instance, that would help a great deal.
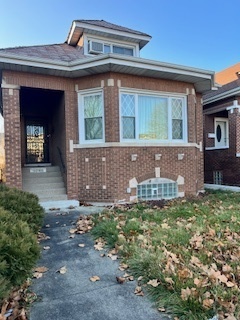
(22, 204)
(4, 283)
(19, 250)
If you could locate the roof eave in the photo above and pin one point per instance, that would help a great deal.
(223, 95)
(77, 29)
(203, 80)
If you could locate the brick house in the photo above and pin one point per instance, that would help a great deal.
(118, 126)
(221, 111)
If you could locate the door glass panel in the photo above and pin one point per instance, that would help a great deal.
(36, 143)
(219, 133)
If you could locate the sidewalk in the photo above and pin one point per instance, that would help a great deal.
(72, 296)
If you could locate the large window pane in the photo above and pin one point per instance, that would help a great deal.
(153, 118)
(93, 117)
(93, 128)
(177, 119)
(122, 50)
(128, 116)
(128, 127)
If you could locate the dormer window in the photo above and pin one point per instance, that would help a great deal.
(122, 50)
(98, 47)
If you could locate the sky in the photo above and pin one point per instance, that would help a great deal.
(197, 33)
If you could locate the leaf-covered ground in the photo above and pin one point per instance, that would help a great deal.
(185, 252)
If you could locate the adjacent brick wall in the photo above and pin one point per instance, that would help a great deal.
(227, 75)
(224, 160)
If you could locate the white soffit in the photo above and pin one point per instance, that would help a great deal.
(202, 79)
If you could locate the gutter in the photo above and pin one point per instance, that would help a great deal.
(223, 95)
(105, 58)
(199, 75)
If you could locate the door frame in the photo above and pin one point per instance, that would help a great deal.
(224, 133)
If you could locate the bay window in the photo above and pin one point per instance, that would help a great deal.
(157, 118)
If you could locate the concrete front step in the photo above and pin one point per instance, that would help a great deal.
(50, 192)
(29, 185)
(30, 175)
(39, 169)
(42, 180)
(55, 198)
(46, 182)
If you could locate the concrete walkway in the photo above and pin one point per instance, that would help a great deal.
(72, 296)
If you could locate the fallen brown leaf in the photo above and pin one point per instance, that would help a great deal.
(138, 291)
(62, 270)
(37, 275)
(72, 231)
(123, 266)
(154, 283)
(120, 280)
(94, 278)
(41, 269)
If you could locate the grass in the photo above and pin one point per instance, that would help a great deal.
(191, 247)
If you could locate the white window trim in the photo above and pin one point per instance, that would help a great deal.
(169, 95)
(216, 148)
(227, 134)
(112, 43)
(81, 95)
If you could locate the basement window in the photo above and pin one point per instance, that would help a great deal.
(217, 177)
(156, 189)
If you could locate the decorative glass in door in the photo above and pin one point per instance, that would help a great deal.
(221, 133)
(36, 143)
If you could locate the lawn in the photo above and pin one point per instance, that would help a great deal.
(185, 253)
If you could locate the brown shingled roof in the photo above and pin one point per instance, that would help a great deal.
(105, 24)
(60, 52)
(225, 88)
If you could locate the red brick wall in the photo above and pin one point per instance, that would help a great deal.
(11, 114)
(118, 169)
(115, 172)
(54, 83)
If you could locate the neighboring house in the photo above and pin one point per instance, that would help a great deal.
(118, 126)
(221, 111)
(228, 75)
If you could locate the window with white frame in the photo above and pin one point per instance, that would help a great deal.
(91, 117)
(153, 117)
(98, 46)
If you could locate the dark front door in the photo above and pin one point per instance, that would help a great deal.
(37, 146)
